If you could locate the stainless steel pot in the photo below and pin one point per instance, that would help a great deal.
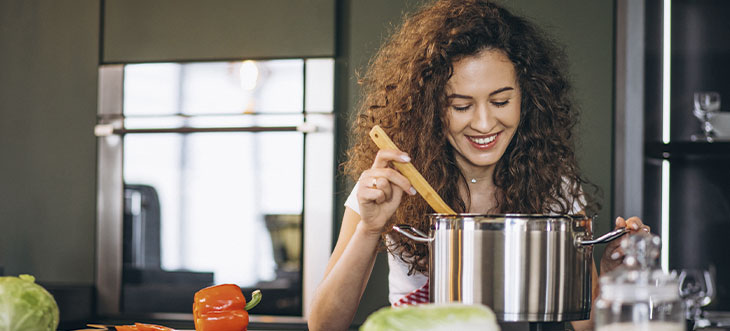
(527, 268)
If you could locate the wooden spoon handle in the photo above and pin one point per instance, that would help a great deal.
(407, 169)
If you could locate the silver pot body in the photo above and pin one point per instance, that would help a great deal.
(527, 268)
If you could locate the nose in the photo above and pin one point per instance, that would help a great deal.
(482, 119)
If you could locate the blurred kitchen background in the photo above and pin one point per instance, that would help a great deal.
(152, 148)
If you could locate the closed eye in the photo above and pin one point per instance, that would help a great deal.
(460, 108)
(500, 103)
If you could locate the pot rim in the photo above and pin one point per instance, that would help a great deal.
(510, 215)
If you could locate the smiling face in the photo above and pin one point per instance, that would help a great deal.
(484, 110)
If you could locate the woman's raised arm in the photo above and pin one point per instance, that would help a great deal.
(337, 297)
(348, 270)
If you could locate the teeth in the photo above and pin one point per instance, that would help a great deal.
(484, 141)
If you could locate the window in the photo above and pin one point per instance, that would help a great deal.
(220, 167)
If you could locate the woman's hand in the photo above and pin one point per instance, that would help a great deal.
(380, 190)
(613, 256)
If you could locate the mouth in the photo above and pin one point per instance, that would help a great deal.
(483, 142)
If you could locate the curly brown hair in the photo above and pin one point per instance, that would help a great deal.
(404, 92)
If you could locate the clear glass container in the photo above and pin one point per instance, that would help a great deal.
(638, 295)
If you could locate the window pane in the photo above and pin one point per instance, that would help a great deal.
(205, 208)
(320, 85)
(151, 89)
(280, 87)
(164, 122)
(154, 160)
(216, 190)
(214, 88)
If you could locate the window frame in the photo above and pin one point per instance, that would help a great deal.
(318, 209)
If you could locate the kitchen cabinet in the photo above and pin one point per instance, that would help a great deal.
(687, 183)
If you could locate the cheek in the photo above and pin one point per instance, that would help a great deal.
(455, 123)
(512, 117)
(449, 121)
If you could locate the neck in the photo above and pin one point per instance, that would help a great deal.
(479, 195)
(475, 174)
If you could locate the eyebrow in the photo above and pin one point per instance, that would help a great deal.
(506, 88)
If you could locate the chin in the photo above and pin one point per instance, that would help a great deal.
(483, 162)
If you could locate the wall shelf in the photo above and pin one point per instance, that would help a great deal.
(687, 149)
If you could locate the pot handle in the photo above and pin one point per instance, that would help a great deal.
(615, 234)
(418, 236)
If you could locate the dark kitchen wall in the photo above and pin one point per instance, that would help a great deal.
(48, 79)
(188, 30)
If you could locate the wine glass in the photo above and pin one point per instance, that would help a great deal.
(697, 288)
(706, 105)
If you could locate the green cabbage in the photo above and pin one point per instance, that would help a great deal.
(432, 317)
(26, 306)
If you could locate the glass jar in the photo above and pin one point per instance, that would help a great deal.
(637, 295)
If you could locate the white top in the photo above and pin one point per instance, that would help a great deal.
(400, 283)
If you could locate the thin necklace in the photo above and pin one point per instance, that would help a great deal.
(473, 180)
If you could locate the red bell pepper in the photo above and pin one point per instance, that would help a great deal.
(222, 308)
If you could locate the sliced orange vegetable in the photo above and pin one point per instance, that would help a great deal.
(140, 327)
(151, 327)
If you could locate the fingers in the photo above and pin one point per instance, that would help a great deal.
(620, 222)
(386, 155)
(379, 185)
(379, 195)
(633, 224)
(389, 174)
(614, 255)
(383, 177)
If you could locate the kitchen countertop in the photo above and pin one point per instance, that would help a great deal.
(188, 325)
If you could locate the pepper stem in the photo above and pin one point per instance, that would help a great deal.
(255, 299)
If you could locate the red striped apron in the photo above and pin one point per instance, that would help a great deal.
(418, 296)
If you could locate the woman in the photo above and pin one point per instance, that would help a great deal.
(477, 99)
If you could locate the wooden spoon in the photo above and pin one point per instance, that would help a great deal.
(407, 169)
